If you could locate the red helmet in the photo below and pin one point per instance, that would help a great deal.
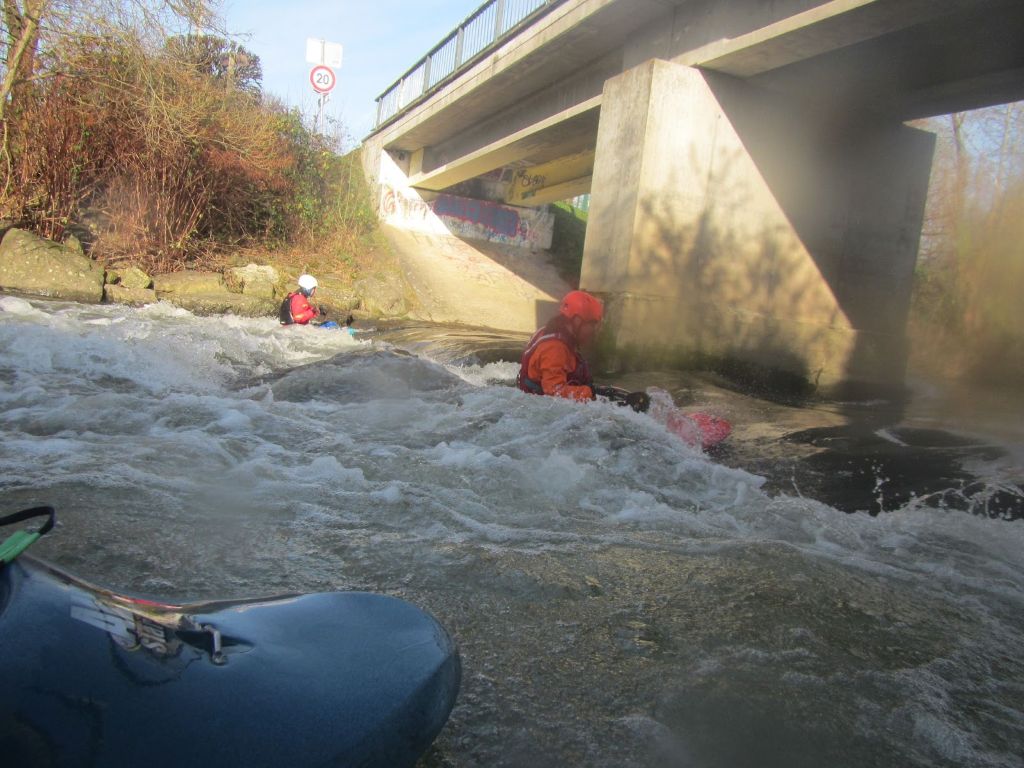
(582, 304)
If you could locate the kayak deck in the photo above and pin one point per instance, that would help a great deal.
(99, 679)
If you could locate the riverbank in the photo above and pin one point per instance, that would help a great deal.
(419, 276)
(31, 266)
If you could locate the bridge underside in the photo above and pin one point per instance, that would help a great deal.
(756, 232)
(893, 59)
(755, 194)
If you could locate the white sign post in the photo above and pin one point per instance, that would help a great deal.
(327, 57)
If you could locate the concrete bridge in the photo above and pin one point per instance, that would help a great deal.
(756, 197)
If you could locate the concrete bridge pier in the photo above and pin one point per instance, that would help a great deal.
(733, 225)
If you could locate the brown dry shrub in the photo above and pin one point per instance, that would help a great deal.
(166, 163)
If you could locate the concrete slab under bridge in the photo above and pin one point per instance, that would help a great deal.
(474, 282)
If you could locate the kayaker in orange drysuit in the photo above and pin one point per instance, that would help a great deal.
(552, 363)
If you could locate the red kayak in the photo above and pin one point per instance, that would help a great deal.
(701, 430)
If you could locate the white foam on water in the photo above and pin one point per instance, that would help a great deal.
(233, 440)
(482, 375)
(15, 306)
(887, 434)
(135, 388)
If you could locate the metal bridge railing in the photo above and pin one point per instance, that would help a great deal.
(488, 25)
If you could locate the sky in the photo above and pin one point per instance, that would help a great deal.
(381, 39)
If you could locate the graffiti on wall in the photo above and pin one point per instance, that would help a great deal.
(468, 218)
(398, 208)
(505, 222)
(528, 181)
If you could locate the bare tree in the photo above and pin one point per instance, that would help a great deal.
(21, 40)
(970, 268)
(36, 33)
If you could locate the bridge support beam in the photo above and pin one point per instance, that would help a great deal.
(731, 226)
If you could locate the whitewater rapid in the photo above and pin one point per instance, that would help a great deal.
(620, 598)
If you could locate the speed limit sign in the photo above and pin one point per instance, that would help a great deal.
(322, 78)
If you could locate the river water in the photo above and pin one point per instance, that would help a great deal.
(619, 598)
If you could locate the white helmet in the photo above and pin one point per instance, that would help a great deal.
(307, 283)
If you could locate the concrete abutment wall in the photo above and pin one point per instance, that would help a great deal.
(464, 261)
(730, 224)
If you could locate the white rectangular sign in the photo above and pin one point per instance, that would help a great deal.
(314, 50)
(319, 51)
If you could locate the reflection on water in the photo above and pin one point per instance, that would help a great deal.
(619, 599)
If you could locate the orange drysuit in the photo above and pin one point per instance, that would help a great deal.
(552, 366)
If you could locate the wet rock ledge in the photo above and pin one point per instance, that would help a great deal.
(33, 266)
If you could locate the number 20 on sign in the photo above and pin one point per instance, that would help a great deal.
(322, 78)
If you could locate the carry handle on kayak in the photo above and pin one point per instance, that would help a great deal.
(19, 541)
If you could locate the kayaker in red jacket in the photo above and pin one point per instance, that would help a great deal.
(296, 307)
